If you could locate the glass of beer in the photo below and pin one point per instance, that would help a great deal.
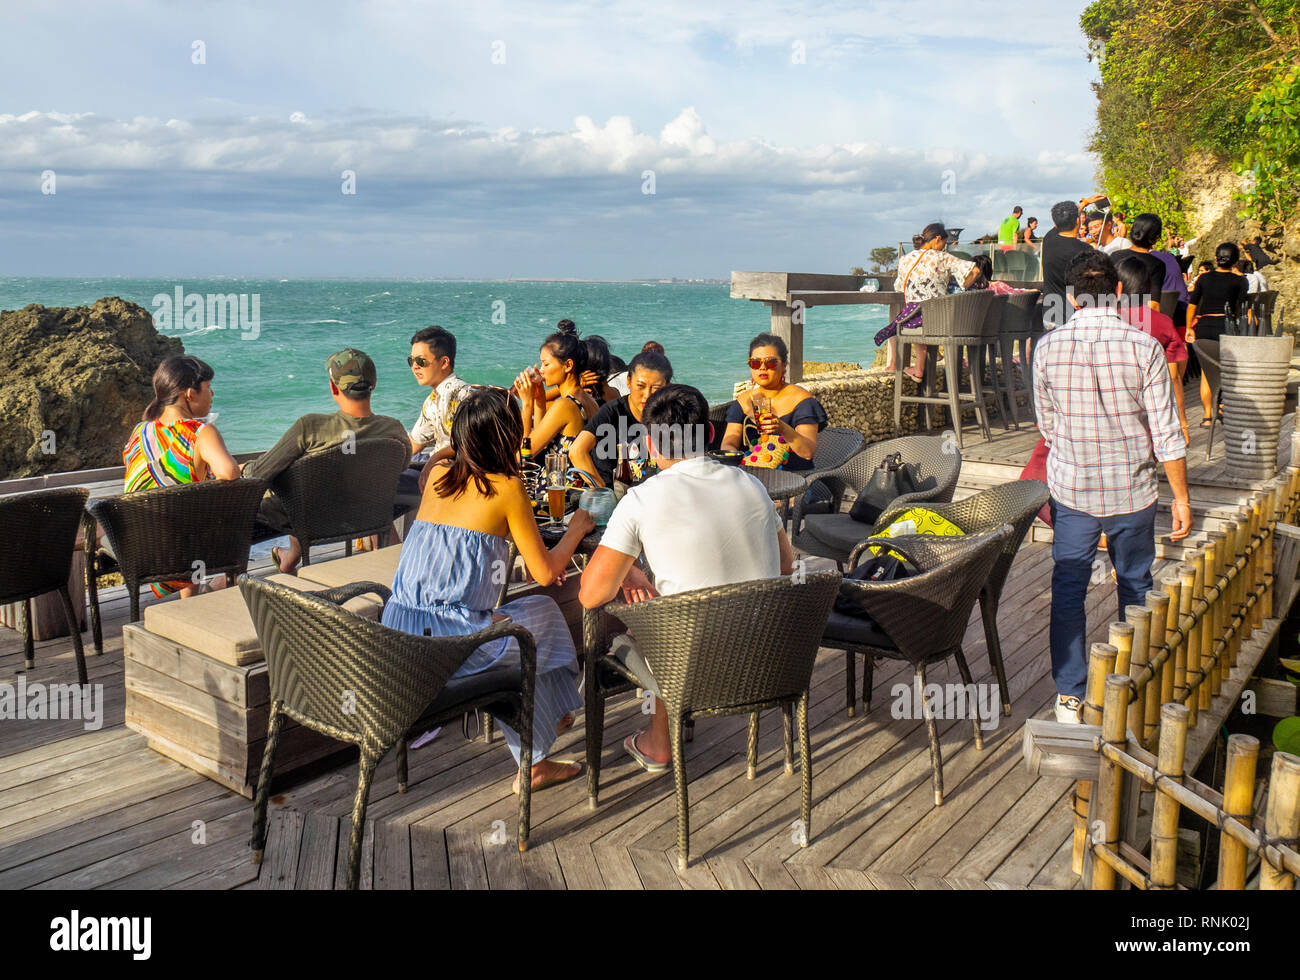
(555, 489)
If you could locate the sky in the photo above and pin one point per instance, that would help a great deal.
(615, 139)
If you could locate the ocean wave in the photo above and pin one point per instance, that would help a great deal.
(326, 321)
(383, 323)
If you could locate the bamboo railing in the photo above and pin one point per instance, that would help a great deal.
(1146, 689)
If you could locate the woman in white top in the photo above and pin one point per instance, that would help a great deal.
(924, 274)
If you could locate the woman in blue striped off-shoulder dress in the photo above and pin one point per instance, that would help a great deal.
(455, 555)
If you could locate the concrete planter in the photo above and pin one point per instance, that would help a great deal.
(1254, 392)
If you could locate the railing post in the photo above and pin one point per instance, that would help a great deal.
(1110, 778)
(1173, 588)
(1139, 617)
(1281, 819)
(1270, 521)
(1243, 583)
(1188, 576)
(1158, 603)
(1255, 578)
(1238, 802)
(1101, 663)
(1233, 591)
(1121, 638)
(1164, 817)
(1219, 543)
(1205, 563)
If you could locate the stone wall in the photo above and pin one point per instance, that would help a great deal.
(862, 400)
(73, 382)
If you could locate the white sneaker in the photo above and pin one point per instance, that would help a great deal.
(1067, 710)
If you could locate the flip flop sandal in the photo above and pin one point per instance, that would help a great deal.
(567, 722)
(557, 782)
(643, 760)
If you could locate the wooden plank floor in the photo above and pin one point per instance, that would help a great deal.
(92, 809)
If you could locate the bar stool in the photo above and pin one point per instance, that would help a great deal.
(1017, 326)
(955, 322)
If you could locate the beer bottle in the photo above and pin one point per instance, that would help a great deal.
(623, 473)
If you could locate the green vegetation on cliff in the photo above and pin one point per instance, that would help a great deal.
(1187, 77)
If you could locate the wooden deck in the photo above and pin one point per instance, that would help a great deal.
(99, 809)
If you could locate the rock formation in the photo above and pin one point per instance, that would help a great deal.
(73, 382)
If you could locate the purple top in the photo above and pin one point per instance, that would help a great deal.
(1173, 276)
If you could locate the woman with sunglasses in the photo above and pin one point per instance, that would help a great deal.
(449, 576)
(173, 445)
(791, 412)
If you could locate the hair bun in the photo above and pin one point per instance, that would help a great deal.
(567, 327)
(917, 241)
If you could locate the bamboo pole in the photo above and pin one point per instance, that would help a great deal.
(1270, 520)
(1101, 663)
(1164, 817)
(1234, 590)
(1158, 603)
(1215, 548)
(1206, 655)
(1238, 802)
(1252, 580)
(1245, 582)
(1139, 617)
(1110, 778)
(1121, 638)
(1172, 587)
(1281, 820)
(1188, 576)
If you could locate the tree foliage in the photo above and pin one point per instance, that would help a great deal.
(883, 258)
(1181, 76)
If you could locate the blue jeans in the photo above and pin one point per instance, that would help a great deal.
(1131, 543)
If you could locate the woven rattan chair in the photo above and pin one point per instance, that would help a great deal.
(1015, 504)
(835, 534)
(954, 322)
(358, 681)
(1021, 321)
(693, 643)
(190, 531)
(1207, 353)
(921, 619)
(342, 493)
(835, 447)
(38, 532)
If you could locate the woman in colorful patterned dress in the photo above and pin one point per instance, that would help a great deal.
(173, 445)
(453, 559)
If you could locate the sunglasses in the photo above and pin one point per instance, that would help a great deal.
(422, 362)
(761, 363)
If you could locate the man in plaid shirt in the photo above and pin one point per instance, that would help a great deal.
(1106, 408)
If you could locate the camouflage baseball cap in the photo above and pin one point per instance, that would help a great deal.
(353, 371)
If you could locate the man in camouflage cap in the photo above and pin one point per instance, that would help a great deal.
(352, 379)
(352, 371)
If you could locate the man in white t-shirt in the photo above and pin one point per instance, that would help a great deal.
(698, 523)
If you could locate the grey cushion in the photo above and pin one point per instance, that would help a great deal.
(836, 532)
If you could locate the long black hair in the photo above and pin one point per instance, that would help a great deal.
(175, 376)
(567, 347)
(486, 433)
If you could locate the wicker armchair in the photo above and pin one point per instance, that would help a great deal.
(835, 534)
(835, 447)
(357, 681)
(1015, 504)
(342, 493)
(962, 320)
(689, 642)
(920, 619)
(38, 532)
(168, 534)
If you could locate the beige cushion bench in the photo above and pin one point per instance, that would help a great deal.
(369, 566)
(219, 625)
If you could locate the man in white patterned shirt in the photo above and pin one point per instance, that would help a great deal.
(433, 362)
(1106, 408)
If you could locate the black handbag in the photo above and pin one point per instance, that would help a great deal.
(891, 480)
(888, 566)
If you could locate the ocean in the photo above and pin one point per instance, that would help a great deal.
(268, 376)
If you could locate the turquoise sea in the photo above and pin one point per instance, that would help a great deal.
(265, 378)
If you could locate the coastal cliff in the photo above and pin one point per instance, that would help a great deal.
(73, 382)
